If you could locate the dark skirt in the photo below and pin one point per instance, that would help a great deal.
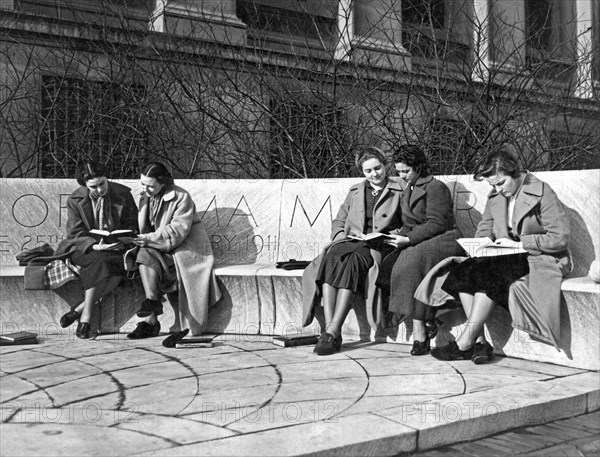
(97, 266)
(401, 272)
(490, 275)
(346, 266)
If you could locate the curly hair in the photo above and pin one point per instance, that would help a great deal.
(413, 156)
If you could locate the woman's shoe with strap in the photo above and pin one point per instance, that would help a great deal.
(482, 352)
(144, 330)
(67, 319)
(420, 347)
(83, 330)
(327, 345)
(452, 352)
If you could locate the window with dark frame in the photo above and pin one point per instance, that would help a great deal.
(95, 120)
(424, 13)
(550, 42)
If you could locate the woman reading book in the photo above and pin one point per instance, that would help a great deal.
(348, 267)
(175, 256)
(428, 235)
(98, 204)
(523, 211)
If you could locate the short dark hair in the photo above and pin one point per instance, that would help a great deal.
(159, 172)
(368, 153)
(413, 156)
(90, 170)
(499, 162)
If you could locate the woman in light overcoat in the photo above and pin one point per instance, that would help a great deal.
(175, 255)
(526, 211)
(349, 267)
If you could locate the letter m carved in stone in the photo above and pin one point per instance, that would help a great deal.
(298, 202)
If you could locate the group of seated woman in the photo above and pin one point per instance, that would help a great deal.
(413, 212)
(171, 251)
(416, 214)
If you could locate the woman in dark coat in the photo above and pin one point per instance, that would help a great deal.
(428, 235)
(526, 212)
(97, 204)
(347, 267)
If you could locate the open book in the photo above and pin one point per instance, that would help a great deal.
(485, 247)
(111, 237)
(369, 236)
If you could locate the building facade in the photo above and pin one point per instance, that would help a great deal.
(291, 88)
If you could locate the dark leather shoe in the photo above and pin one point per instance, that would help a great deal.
(83, 330)
(171, 340)
(149, 307)
(482, 352)
(327, 345)
(420, 348)
(68, 318)
(451, 352)
(144, 330)
(337, 342)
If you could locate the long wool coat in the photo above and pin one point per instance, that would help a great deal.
(180, 232)
(542, 225)
(351, 217)
(428, 222)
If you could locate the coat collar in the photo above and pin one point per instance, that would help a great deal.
(391, 185)
(418, 190)
(167, 196)
(529, 196)
(531, 193)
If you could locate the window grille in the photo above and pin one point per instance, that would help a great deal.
(85, 120)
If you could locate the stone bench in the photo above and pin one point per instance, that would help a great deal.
(254, 224)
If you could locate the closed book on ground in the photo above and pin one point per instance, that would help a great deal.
(295, 340)
(195, 342)
(18, 336)
(184, 345)
(485, 247)
(111, 237)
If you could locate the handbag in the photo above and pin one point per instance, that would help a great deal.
(292, 264)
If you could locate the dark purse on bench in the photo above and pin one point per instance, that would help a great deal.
(293, 264)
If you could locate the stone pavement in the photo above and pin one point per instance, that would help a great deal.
(247, 396)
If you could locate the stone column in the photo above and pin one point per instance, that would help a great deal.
(213, 20)
(371, 33)
(481, 40)
(583, 32)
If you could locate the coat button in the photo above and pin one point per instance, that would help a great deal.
(376, 227)
(384, 215)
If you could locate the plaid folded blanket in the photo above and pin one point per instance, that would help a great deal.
(49, 273)
(59, 272)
